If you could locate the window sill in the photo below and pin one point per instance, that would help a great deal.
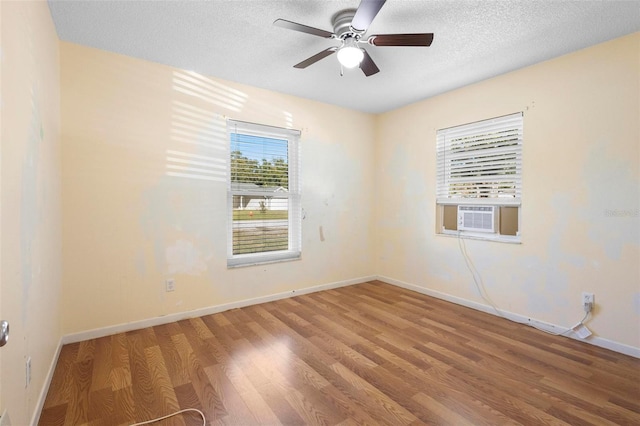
(242, 261)
(510, 239)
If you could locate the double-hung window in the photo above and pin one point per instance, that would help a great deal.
(479, 178)
(263, 201)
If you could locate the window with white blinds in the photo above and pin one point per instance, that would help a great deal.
(481, 162)
(263, 194)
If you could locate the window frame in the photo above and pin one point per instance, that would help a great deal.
(475, 132)
(293, 195)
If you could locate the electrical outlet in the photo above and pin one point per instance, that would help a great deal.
(170, 284)
(588, 301)
(27, 372)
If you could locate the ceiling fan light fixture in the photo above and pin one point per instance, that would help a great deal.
(350, 55)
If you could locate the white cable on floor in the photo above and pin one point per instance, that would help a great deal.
(477, 279)
(204, 420)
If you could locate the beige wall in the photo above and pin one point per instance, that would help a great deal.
(30, 226)
(581, 162)
(128, 225)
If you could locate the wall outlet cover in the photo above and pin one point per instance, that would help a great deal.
(170, 284)
(587, 298)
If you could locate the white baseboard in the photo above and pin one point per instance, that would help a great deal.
(150, 322)
(37, 412)
(136, 325)
(593, 340)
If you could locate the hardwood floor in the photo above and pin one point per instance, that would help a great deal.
(365, 354)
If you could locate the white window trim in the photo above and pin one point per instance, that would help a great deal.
(494, 124)
(510, 202)
(294, 251)
(512, 239)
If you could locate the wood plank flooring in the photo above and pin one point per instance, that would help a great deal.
(364, 354)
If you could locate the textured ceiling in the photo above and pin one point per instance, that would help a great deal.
(236, 40)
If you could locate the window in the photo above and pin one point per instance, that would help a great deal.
(264, 194)
(480, 164)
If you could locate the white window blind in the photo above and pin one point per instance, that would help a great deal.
(481, 162)
(263, 194)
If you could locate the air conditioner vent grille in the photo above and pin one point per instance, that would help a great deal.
(477, 218)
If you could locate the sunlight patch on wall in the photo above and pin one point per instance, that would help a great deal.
(208, 90)
(269, 112)
(205, 133)
(288, 119)
(183, 164)
(197, 126)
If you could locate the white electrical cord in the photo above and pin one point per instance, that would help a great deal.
(477, 279)
(204, 420)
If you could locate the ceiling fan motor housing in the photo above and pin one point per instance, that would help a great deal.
(342, 24)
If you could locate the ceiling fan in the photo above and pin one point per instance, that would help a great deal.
(350, 26)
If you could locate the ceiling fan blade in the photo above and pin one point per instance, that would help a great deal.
(424, 39)
(367, 65)
(315, 58)
(302, 28)
(367, 10)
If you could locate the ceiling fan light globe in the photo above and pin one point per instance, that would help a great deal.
(350, 56)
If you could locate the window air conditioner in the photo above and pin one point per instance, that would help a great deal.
(477, 218)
